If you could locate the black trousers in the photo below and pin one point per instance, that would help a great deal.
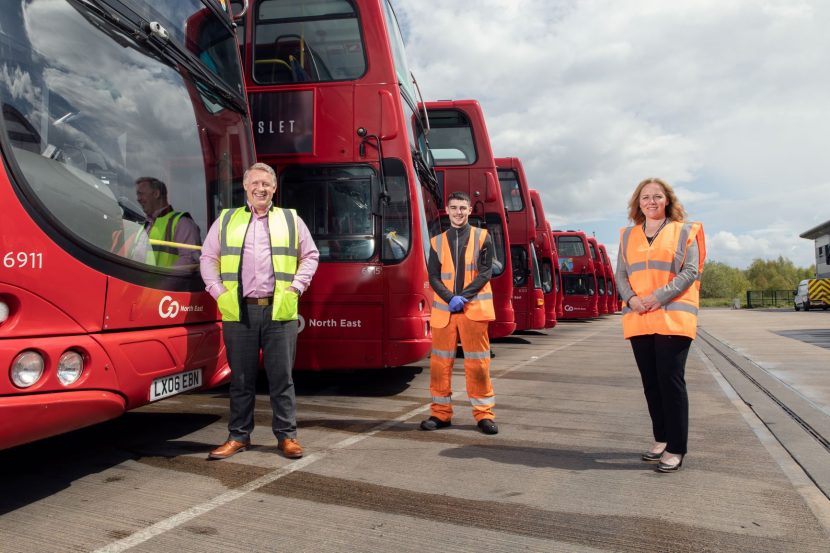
(278, 342)
(662, 363)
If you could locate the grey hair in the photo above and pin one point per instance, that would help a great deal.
(260, 167)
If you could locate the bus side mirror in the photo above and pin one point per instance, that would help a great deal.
(492, 188)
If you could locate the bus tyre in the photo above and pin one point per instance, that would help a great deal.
(807, 305)
(797, 308)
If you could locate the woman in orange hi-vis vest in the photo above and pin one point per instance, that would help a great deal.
(659, 265)
(460, 265)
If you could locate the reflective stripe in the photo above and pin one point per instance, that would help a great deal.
(634, 267)
(476, 249)
(280, 250)
(446, 276)
(476, 355)
(223, 242)
(661, 266)
(443, 400)
(292, 249)
(440, 306)
(680, 254)
(443, 353)
(284, 277)
(229, 277)
(233, 250)
(480, 297)
(483, 400)
(470, 267)
(680, 306)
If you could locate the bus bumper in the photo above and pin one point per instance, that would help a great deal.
(27, 418)
(500, 329)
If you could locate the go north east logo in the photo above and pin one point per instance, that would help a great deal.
(169, 308)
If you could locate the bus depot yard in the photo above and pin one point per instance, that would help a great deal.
(564, 473)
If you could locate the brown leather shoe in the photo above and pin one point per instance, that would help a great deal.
(291, 448)
(231, 447)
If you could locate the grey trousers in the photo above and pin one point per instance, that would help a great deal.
(277, 340)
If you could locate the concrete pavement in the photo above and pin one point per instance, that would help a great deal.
(563, 474)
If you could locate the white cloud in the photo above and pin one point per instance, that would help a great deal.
(725, 100)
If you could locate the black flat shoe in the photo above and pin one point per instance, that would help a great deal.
(663, 467)
(650, 457)
(434, 423)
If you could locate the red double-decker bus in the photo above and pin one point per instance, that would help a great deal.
(335, 112)
(548, 261)
(599, 274)
(528, 298)
(613, 305)
(98, 312)
(578, 277)
(464, 162)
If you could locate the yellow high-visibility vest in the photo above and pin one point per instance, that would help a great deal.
(285, 244)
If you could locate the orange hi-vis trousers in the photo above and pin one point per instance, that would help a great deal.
(476, 345)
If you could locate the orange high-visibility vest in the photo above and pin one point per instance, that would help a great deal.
(653, 266)
(480, 308)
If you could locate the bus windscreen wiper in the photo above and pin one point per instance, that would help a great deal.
(153, 39)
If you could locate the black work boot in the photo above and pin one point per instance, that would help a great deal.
(434, 423)
(488, 426)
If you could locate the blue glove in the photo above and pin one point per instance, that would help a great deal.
(457, 303)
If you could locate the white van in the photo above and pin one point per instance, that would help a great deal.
(814, 292)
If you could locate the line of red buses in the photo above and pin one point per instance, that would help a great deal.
(100, 314)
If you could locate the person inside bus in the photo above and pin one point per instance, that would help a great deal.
(658, 277)
(462, 307)
(174, 235)
(256, 262)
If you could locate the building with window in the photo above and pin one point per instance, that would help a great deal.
(821, 242)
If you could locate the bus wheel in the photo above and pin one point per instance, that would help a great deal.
(806, 306)
(797, 308)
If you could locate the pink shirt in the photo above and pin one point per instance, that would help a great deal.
(257, 269)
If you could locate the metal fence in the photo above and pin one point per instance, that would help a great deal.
(769, 298)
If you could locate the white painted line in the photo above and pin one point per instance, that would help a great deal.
(187, 515)
(813, 496)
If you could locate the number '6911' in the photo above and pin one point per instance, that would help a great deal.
(23, 260)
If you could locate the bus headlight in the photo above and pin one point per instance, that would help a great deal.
(27, 369)
(70, 367)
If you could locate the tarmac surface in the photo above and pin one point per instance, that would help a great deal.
(564, 473)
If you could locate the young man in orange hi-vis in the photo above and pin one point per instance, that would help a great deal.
(460, 267)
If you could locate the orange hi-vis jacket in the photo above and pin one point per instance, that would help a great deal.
(480, 308)
(652, 266)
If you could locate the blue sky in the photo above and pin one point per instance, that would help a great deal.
(727, 101)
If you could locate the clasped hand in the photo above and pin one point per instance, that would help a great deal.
(644, 305)
(457, 303)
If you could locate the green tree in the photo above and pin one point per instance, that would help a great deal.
(722, 281)
(775, 274)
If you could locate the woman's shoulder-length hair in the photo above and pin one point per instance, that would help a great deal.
(674, 209)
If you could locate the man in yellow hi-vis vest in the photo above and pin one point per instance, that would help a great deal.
(460, 266)
(256, 262)
(170, 231)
